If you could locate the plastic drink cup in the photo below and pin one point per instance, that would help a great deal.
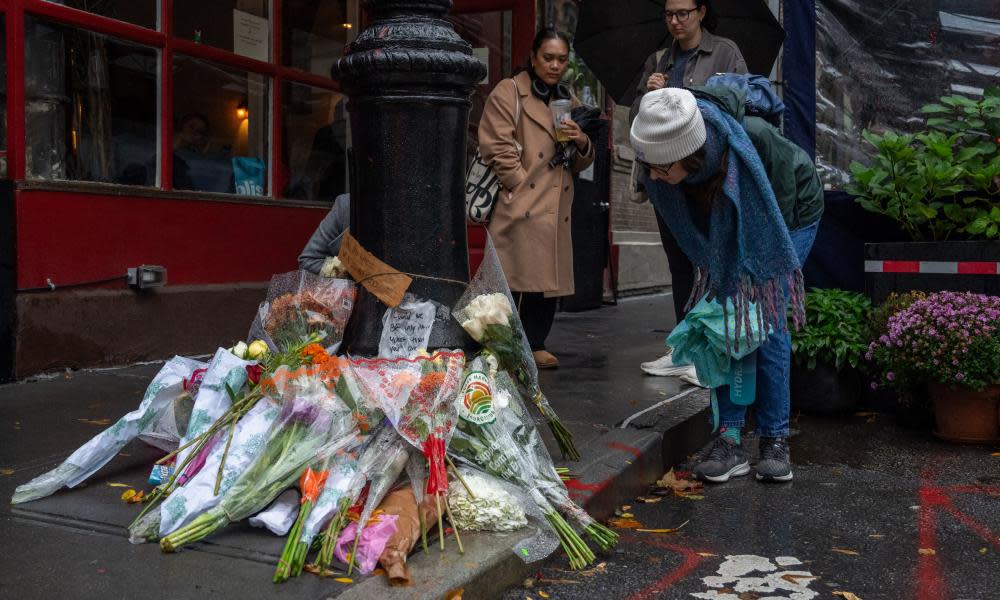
(560, 110)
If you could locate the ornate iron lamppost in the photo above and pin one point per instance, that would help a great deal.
(409, 77)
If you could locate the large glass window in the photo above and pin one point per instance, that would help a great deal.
(239, 26)
(137, 12)
(220, 128)
(314, 33)
(90, 106)
(315, 142)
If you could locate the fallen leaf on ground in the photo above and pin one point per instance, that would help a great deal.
(996, 454)
(112, 484)
(650, 499)
(876, 536)
(706, 554)
(678, 528)
(845, 551)
(864, 414)
(597, 570)
(624, 523)
(455, 594)
(378, 572)
(626, 506)
(559, 581)
(133, 497)
(6, 471)
(927, 552)
(847, 595)
(692, 496)
(794, 579)
(627, 515)
(315, 570)
(101, 422)
(983, 550)
(348, 580)
(542, 594)
(680, 486)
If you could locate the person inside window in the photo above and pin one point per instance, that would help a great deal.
(744, 205)
(194, 167)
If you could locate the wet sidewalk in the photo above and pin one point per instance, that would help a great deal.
(73, 544)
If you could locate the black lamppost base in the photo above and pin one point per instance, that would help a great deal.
(409, 77)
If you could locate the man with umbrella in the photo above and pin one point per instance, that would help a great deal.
(694, 55)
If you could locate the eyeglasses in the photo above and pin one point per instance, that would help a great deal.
(660, 170)
(682, 15)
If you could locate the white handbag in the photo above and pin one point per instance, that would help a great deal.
(482, 186)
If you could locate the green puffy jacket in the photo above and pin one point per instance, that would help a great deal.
(792, 173)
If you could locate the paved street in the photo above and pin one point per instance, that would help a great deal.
(878, 510)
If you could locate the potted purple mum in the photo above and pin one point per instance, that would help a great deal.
(950, 343)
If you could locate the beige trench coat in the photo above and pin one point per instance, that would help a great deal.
(530, 225)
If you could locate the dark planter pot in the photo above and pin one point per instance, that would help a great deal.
(824, 390)
(966, 416)
(931, 267)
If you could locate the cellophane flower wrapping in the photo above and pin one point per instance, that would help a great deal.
(417, 396)
(373, 538)
(162, 391)
(491, 507)
(212, 399)
(488, 313)
(344, 481)
(198, 495)
(300, 304)
(382, 461)
(312, 424)
(496, 434)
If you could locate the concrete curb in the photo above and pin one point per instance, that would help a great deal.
(616, 467)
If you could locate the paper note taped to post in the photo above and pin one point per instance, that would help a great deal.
(386, 283)
(406, 329)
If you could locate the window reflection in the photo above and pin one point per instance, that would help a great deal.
(90, 106)
(238, 26)
(315, 142)
(314, 33)
(220, 128)
(137, 12)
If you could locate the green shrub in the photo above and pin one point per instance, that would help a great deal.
(836, 329)
(941, 183)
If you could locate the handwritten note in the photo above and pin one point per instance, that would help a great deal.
(386, 283)
(406, 329)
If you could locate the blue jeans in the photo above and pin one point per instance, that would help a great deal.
(773, 403)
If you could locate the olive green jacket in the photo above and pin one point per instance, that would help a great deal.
(791, 172)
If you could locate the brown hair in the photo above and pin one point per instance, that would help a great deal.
(703, 194)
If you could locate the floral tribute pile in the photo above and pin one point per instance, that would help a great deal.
(352, 459)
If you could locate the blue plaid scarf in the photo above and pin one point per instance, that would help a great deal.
(747, 254)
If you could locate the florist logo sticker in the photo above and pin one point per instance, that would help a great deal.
(477, 400)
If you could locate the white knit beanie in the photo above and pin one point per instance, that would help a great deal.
(669, 127)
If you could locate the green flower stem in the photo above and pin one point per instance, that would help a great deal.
(286, 566)
(454, 470)
(423, 528)
(605, 538)
(454, 526)
(437, 500)
(331, 534)
(225, 454)
(206, 524)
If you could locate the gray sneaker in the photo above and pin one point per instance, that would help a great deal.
(775, 460)
(725, 459)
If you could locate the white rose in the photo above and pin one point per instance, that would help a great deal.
(475, 328)
(239, 350)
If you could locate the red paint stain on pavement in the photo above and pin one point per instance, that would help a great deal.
(691, 562)
(930, 583)
(625, 448)
(574, 484)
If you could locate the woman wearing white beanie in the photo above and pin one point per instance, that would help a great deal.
(744, 204)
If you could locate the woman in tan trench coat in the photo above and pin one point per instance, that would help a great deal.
(530, 225)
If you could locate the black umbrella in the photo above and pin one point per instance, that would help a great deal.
(614, 38)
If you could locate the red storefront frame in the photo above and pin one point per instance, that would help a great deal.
(71, 232)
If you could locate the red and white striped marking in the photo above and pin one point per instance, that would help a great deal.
(929, 267)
